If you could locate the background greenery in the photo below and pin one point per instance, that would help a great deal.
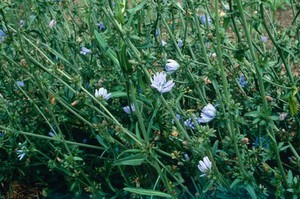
(235, 54)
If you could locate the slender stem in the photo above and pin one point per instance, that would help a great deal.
(138, 112)
(52, 138)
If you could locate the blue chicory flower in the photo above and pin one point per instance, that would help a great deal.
(205, 20)
(102, 93)
(180, 43)
(190, 123)
(2, 35)
(21, 152)
(264, 39)
(178, 117)
(171, 66)
(102, 26)
(160, 83)
(22, 23)
(128, 110)
(51, 134)
(208, 113)
(85, 51)
(186, 157)
(242, 81)
(156, 32)
(20, 83)
(205, 166)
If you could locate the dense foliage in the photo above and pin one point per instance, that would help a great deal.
(156, 99)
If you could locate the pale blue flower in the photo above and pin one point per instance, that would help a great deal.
(22, 23)
(52, 23)
(180, 43)
(205, 20)
(208, 113)
(171, 66)
(156, 32)
(127, 109)
(163, 43)
(178, 117)
(85, 51)
(186, 157)
(2, 35)
(190, 123)
(20, 83)
(160, 83)
(205, 166)
(51, 134)
(102, 26)
(242, 81)
(264, 39)
(21, 152)
(102, 93)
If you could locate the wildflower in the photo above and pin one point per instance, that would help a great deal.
(190, 123)
(180, 43)
(102, 92)
(242, 81)
(178, 117)
(159, 81)
(51, 134)
(52, 23)
(22, 23)
(186, 157)
(213, 55)
(171, 66)
(205, 20)
(2, 35)
(2, 134)
(163, 42)
(282, 116)
(21, 152)
(102, 26)
(84, 140)
(128, 110)
(208, 113)
(204, 166)
(20, 83)
(264, 39)
(156, 32)
(85, 51)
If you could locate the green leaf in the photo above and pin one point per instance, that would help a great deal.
(132, 160)
(101, 141)
(293, 102)
(137, 8)
(251, 191)
(234, 183)
(147, 192)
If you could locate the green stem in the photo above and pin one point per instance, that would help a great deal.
(52, 138)
(138, 112)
